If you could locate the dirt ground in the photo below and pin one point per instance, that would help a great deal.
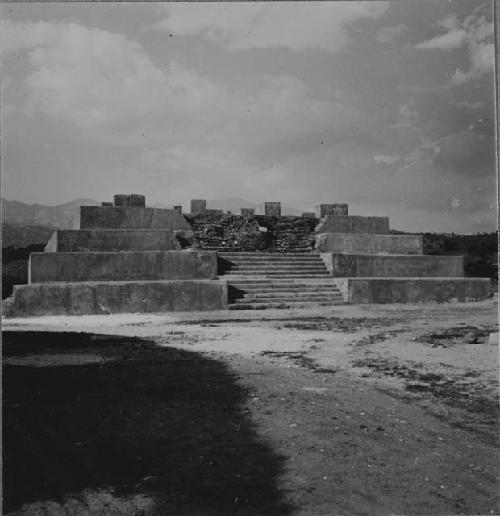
(373, 410)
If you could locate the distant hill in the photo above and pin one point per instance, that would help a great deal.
(64, 216)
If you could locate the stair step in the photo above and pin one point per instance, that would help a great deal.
(284, 261)
(263, 272)
(278, 275)
(288, 292)
(284, 296)
(257, 289)
(277, 264)
(279, 282)
(268, 306)
(263, 253)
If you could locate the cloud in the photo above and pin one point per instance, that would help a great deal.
(466, 153)
(88, 76)
(243, 26)
(455, 38)
(390, 34)
(387, 160)
(408, 116)
(98, 79)
(476, 33)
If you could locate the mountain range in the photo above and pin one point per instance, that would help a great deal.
(63, 216)
(66, 216)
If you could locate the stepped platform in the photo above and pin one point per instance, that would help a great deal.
(83, 298)
(353, 224)
(353, 243)
(122, 266)
(127, 217)
(413, 290)
(102, 240)
(395, 266)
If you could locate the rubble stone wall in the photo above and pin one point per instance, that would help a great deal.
(257, 233)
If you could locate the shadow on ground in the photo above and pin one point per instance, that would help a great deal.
(85, 411)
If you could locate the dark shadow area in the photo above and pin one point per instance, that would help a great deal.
(223, 265)
(234, 293)
(86, 411)
(15, 266)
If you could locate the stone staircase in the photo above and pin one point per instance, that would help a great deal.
(278, 280)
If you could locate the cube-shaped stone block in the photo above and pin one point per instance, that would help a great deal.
(272, 209)
(331, 209)
(122, 200)
(137, 200)
(198, 205)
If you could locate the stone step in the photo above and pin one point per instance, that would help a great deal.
(242, 281)
(369, 244)
(291, 295)
(353, 224)
(273, 281)
(290, 299)
(283, 305)
(126, 217)
(402, 265)
(284, 259)
(298, 274)
(243, 269)
(269, 255)
(414, 290)
(102, 240)
(122, 266)
(256, 289)
(84, 298)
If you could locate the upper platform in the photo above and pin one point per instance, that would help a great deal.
(130, 217)
(353, 224)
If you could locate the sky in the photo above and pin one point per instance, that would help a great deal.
(386, 106)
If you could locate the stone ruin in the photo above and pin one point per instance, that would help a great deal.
(126, 257)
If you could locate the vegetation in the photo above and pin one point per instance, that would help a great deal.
(480, 251)
(15, 266)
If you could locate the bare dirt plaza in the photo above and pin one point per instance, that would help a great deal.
(338, 410)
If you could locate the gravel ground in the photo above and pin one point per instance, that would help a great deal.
(388, 409)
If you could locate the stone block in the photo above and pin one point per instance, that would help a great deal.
(137, 200)
(198, 205)
(322, 210)
(99, 240)
(118, 297)
(354, 243)
(122, 266)
(178, 209)
(353, 224)
(272, 209)
(393, 266)
(121, 200)
(413, 290)
(247, 212)
(124, 217)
